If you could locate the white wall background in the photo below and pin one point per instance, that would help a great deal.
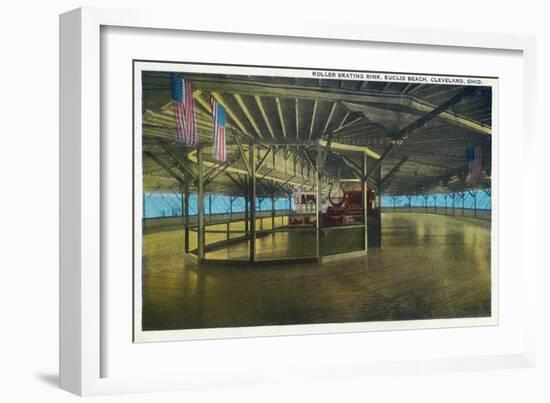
(29, 199)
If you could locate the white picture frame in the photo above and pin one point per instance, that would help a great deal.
(81, 298)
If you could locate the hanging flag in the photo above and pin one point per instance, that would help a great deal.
(184, 109)
(218, 114)
(475, 167)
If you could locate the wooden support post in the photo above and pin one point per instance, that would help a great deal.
(182, 194)
(143, 205)
(446, 208)
(364, 200)
(252, 196)
(289, 207)
(209, 207)
(289, 203)
(318, 199)
(201, 228)
(474, 194)
(393, 197)
(409, 198)
(453, 199)
(186, 213)
(435, 204)
(246, 209)
(374, 226)
(273, 214)
(259, 207)
(231, 208)
(462, 197)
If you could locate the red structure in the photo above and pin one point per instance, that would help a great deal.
(350, 210)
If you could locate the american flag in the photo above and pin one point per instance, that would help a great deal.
(218, 114)
(475, 166)
(184, 109)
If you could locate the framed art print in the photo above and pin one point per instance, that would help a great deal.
(267, 199)
(351, 192)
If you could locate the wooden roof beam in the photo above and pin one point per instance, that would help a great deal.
(403, 134)
(231, 113)
(346, 115)
(236, 170)
(206, 105)
(335, 95)
(331, 113)
(350, 147)
(164, 166)
(235, 124)
(239, 183)
(393, 171)
(248, 115)
(243, 154)
(297, 119)
(260, 164)
(309, 159)
(264, 115)
(356, 169)
(221, 170)
(233, 158)
(281, 118)
(179, 163)
(312, 119)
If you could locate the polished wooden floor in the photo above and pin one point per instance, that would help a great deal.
(429, 266)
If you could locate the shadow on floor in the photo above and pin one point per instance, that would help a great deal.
(49, 379)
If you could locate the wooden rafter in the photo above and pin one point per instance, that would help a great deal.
(243, 154)
(407, 88)
(281, 118)
(331, 113)
(231, 113)
(350, 123)
(385, 181)
(346, 115)
(325, 154)
(198, 95)
(248, 115)
(216, 174)
(216, 169)
(350, 147)
(264, 158)
(309, 159)
(446, 135)
(335, 95)
(297, 114)
(182, 166)
(264, 115)
(239, 184)
(403, 134)
(164, 166)
(312, 119)
(265, 174)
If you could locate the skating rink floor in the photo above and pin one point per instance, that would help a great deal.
(429, 266)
